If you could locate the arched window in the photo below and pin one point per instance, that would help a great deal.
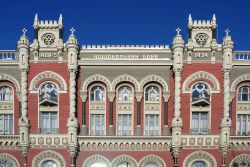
(97, 112)
(244, 93)
(97, 94)
(199, 164)
(48, 106)
(151, 164)
(49, 163)
(125, 94)
(6, 163)
(124, 110)
(152, 93)
(152, 110)
(6, 93)
(243, 115)
(200, 108)
(6, 113)
(200, 92)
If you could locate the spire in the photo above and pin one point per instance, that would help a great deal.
(214, 21)
(36, 20)
(190, 21)
(60, 19)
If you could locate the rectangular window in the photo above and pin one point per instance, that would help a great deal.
(243, 124)
(6, 124)
(124, 125)
(152, 127)
(97, 124)
(199, 123)
(49, 122)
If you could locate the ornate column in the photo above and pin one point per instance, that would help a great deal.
(178, 48)
(23, 124)
(111, 96)
(72, 48)
(138, 100)
(227, 49)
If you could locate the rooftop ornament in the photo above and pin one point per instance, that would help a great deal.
(178, 30)
(72, 30)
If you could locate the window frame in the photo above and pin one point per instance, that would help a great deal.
(49, 110)
(156, 103)
(206, 109)
(93, 103)
(121, 103)
(241, 112)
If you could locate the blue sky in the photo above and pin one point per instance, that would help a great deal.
(125, 21)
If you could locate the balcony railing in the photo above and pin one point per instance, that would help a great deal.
(8, 55)
(242, 55)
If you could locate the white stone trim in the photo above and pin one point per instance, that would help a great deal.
(48, 74)
(124, 158)
(240, 158)
(48, 155)
(4, 76)
(95, 158)
(201, 75)
(5, 156)
(242, 78)
(152, 158)
(200, 156)
(125, 78)
(97, 78)
(154, 78)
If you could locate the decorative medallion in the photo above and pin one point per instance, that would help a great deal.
(48, 38)
(201, 39)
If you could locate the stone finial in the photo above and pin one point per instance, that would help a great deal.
(227, 32)
(24, 30)
(190, 21)
(178, 30)
(72, 30)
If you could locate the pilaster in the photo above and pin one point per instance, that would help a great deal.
(178, 49)
(138, 100)
(227, 49)
(23, 124)
(72, 48)
(111, 96)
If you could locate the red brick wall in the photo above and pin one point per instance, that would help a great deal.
(216, 98)
(60, 69)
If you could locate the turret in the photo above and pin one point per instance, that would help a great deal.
(72, 47)
(23, 50)
(178, 47)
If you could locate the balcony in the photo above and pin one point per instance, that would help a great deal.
(6, 55)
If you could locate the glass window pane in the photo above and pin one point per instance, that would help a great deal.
(124, 124)
(125, 94)
(200, 91)
(199, 164)
(48, 94)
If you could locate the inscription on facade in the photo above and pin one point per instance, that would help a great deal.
(201, 54)
(126, 56)
(47, 55)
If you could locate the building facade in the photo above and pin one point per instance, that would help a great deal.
(62, 104)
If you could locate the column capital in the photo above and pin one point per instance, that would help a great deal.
(138, 96)
(166, 96)
(83, 95)
(177, 71)
(111, 96)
